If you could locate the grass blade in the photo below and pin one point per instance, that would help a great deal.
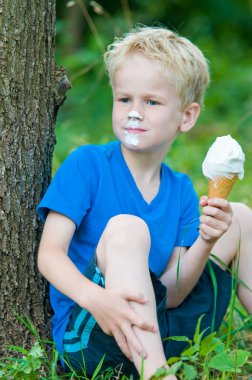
(215, 287)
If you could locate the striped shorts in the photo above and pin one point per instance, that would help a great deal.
(85, 343)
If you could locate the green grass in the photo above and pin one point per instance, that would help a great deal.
(225, 355)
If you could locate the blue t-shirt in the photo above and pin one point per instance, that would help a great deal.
(94, 184)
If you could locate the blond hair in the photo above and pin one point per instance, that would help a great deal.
(179, 58)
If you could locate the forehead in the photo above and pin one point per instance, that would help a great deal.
(141, 73)
(137, 64)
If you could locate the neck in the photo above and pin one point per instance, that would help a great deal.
(143, 165)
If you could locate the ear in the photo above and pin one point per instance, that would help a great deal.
(190, 116)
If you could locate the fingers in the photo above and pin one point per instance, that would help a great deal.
(133, 341)
(219, 213)
(210, 234)
(122, 319)
(203, 200)
(122, 343)
(131, 295)
(125, 338)
(133, 318)
(218, 222)
(215, 219)
(221, 203)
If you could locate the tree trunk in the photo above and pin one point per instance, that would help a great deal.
(31, 90)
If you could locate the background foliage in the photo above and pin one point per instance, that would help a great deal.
(222, 29)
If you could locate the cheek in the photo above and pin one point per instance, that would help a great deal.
(160, 120)
(169, 118)
(116, 116)
(114, 119)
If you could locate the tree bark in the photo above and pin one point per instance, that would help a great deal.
(31, 90)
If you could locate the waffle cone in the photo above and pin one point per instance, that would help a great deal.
(220, 187)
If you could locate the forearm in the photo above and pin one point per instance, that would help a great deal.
(180, 281)
(60, 271)
(214, 222)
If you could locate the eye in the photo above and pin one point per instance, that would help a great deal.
(124, 100)
(152, 102)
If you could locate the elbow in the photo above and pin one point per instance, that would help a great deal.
(174, 301)
(39, 266)
(172, 304)
(41, 261)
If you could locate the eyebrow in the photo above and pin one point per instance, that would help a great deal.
(121, 93)
(152, 95)
(145, 96)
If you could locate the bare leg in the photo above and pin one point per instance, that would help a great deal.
(122, 255)
(236, 244)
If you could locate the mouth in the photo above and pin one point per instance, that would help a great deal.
(134, 130)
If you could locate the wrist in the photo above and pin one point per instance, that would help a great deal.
(90, 296)
(207, 244)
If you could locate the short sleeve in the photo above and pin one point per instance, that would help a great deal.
(70, 191)
(189, 217)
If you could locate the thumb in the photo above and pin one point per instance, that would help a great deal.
(203, 200)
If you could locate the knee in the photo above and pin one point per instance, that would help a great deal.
(127, 234)
(241, 210)
(126, 231)
(243, 215)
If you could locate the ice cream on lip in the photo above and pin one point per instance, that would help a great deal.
(224, 159)
(224, 163)
(131, 133)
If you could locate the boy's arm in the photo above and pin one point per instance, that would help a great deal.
(111, 308)
(215, 220)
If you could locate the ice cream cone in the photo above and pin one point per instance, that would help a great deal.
(220, 187)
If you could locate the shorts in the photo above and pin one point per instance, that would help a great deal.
(85, 343)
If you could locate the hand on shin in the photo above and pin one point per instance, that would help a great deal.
(112, 311)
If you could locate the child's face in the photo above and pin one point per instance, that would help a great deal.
(140, 86)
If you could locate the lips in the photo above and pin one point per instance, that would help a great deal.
(133, 127)
(134, 130)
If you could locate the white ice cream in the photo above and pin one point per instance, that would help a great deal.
(224, 158)
(132, 138)
(134, 115)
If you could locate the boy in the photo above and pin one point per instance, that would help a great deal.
(118, 219)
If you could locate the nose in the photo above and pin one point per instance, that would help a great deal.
(134, 115)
